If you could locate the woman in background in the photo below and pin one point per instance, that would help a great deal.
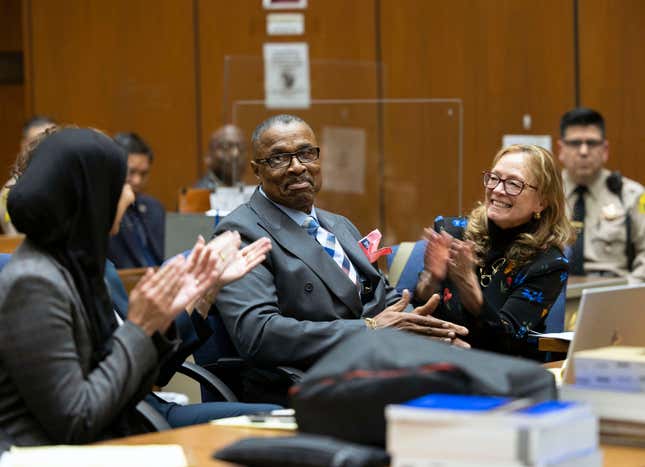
(499, 272)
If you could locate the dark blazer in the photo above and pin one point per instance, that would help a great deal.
(125, 248)
(298, 303)
(49, 392)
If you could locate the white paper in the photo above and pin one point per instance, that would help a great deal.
(537, 140)
(285, 24)
(171, 455)
(565, 336)
(343, 154)
(284, 4)
(286, 75)
(227, 198)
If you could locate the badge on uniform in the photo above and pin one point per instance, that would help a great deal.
(369, 244)
(611, 212)
(641, 204)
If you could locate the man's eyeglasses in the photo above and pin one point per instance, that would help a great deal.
(512, 186)
(577, 143)
(304, 156)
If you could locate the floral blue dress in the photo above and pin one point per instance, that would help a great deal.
(517, 299)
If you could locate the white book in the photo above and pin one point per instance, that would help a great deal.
(614, 405)
(590, 459)
(615, 368)
(489, 429)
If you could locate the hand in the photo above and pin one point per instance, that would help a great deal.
(419, 320)
(151, 299)
(437, 253)
(244, 260)
(461, 268)
(199, 275)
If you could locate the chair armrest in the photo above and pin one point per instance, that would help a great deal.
(153, 418)
(294, 374)
(208, 379)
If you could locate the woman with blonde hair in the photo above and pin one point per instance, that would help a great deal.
(499, 272)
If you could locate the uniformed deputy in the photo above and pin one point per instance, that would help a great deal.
(607, 208)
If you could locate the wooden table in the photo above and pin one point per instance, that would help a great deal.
(200, 441)
(551, 344)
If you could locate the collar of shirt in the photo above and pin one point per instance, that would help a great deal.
(594, 188)
(297, 216)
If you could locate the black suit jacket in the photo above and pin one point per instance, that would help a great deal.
(125, 248)
(298, 303)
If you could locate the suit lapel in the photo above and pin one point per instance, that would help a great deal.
(298, 242)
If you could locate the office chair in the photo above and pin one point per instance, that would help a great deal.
(219, 356)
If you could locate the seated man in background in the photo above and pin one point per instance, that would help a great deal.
(607, 209)
(140, 241)
(225, 166)
(33, 128)
(316, 286)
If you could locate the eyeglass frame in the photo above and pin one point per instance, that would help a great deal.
(267, 160)
(503, 182)
(576, 143)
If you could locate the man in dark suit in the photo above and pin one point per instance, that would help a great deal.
(316, 286)
(140, 241)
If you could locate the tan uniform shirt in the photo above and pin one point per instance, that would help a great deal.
(605, 234)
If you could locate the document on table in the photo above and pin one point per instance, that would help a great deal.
(171, 455)
(565, 336)
(275, 420)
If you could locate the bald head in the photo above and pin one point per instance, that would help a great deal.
(226, 156)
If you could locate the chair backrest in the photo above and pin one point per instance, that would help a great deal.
(8, 243)
(130, 277)
(4, 259)
(555, 319)
(196, 200)
(405, 263)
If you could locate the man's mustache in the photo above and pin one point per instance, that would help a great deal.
(299, 180)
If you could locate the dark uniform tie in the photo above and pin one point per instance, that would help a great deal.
(578, 252)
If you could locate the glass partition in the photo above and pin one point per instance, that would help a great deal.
(391, 164)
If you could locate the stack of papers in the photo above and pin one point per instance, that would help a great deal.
(612, 381)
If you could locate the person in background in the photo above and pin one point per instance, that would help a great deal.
(140, 241)
(608, 210)
(500, 271)
(226, 159)
(31, 130)
(226, 162)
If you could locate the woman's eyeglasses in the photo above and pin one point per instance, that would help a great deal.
(512, 186)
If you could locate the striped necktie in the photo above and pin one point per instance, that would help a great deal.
(330, 244)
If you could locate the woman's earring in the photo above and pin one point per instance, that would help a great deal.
(537, 215)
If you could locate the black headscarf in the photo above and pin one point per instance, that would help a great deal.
(65, 203)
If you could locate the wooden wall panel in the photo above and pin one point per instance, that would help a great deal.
(504, 58)
(612, 73)
(11, 119)
(10, 26)
(123, 65)
(12, 105)
(340, 33)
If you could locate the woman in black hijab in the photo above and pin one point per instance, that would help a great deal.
(67, 373)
